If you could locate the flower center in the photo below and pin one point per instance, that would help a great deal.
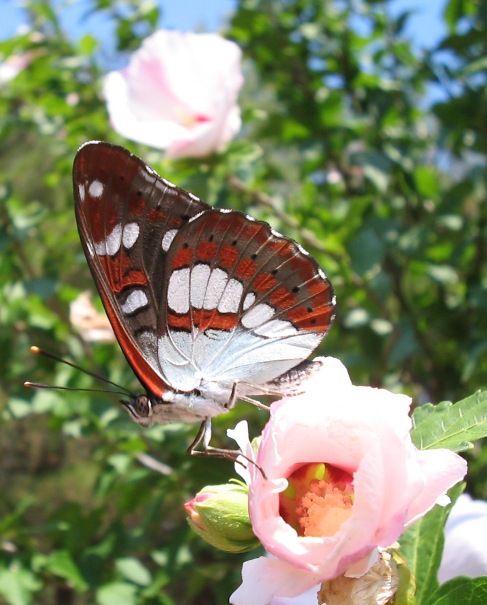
(318, 499)
(190, 120)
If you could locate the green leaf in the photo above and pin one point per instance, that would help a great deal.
(460, 591)
(367, 250)
(61, 564)
(422, 546)
(87, 44)
(9, 521)
(133, 570)
(452, 426)
(376, 166)
(443, 274)
(427, 182)
(117, 593)
(17, 585)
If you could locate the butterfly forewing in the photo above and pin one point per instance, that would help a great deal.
(127, 216)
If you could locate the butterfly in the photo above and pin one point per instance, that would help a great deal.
(208, 305)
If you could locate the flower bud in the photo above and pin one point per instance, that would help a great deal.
(220, 515)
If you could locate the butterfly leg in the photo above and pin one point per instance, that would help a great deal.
(233, 397)
(204, 436)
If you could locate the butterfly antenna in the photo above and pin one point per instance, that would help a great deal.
(38, 385)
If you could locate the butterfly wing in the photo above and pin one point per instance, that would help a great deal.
(244, 303)
(127, 218)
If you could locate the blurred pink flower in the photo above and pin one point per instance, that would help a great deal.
(12, 66)
(343, 457)
(178, 93)
(92, 325)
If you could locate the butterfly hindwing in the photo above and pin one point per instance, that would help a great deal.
(243, 302)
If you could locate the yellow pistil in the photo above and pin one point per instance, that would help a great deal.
(318, 500)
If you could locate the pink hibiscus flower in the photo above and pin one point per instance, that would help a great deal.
(340, 478)
(178, 93)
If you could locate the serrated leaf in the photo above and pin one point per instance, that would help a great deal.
(451, 426)
(460, 591)
(422, 546)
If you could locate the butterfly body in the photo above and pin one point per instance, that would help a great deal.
(178, 407)
(207, 304)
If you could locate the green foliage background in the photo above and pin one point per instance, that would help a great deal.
(342, 150)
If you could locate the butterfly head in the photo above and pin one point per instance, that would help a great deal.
(140, 409)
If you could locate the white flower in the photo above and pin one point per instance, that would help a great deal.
(465, 551)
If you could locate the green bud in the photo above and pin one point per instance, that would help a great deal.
(220, 515)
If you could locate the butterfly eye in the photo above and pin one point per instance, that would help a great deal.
(139, 407)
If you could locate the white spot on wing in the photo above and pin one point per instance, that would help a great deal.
(178, 291)
(81, 192)
(216, 285)
(230, 300)
(193, 218)
(167, 239)
(166, 182)
(112, 243)
(130, 234)
(257, 315)
(200, 276)
(135, 300)
(95, 189)
(301, 249)
(277, 234)
(277, 328)
(249, 301)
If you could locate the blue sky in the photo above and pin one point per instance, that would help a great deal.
(425, 26)
(177, 14)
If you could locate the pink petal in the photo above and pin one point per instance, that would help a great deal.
(440, 470)
(265, 578)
